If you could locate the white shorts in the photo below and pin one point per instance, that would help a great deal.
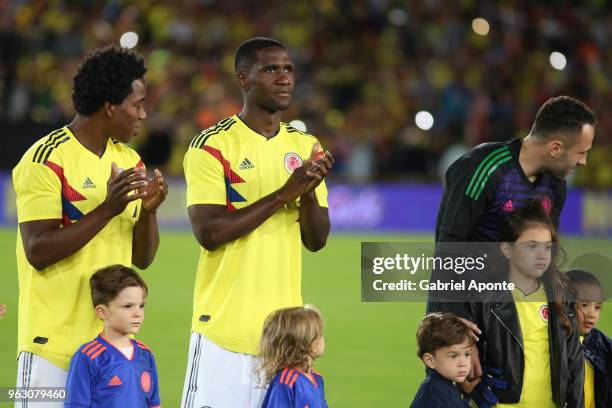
(35, 371)
(219, 378)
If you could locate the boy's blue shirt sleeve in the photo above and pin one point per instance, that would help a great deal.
(80, 381)
(281, 396)
(301, 399)
(321, 384)
(154, 400)
(296, 391)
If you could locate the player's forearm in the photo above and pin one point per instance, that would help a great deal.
(146, 239)
(213, 231)
(314, 223)
(45, 248)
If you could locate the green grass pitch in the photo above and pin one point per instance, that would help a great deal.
(370, 357)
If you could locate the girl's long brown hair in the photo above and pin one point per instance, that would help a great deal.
(287, 340)
(524, 218)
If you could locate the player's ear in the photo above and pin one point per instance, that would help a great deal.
(109, 108)
(100, 312)
(242, 81)
(555, 148)
(506, 249)
(312, 348)
(429, 361)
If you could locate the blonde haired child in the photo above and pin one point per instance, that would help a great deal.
(292, 340)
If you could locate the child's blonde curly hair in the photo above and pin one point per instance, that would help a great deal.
(287, 340)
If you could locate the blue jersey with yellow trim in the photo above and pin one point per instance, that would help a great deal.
(102, 376)
(292, 388)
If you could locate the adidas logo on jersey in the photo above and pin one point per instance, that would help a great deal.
(246, 164)
(115, 381)
(88, 183)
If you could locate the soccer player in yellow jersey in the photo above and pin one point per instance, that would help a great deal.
(255, 193)
(83, 202)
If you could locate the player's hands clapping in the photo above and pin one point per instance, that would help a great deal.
(124, 187)
(318, 165)
(308, 176)
(156, 190)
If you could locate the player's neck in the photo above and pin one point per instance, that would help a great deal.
(526, 284)
(117, 339)
(89, 133)
(261, 121)
(529, 159)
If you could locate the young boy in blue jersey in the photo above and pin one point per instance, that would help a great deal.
(597, 347)
(445, 346)
(292, 339)
(115, 370)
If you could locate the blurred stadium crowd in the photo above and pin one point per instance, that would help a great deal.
(364, 69)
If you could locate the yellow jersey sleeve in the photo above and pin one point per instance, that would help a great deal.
(39, 191)
(321, 193)
(204, 176)
(321, 190)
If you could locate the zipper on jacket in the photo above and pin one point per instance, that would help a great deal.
(506, 327)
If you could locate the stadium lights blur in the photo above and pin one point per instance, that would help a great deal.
(398, 17)
(558, 60)
(480, 26)
(128, 39)
(424, 120)
(299, 125)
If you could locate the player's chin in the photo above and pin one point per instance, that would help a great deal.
(134, 328)
(561, 174)
(126, 137)
(282, 104)
(459, 378)
(537, 271)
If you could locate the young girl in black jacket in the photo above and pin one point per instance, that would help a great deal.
(589, 295)
(529, 347)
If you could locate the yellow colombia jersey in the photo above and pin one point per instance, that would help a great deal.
(589, 382)
(533, 317)
(58, 178)
(240, 283)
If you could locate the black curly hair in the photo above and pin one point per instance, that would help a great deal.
(105, 75)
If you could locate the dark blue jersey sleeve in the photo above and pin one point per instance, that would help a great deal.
(79, 385)
(322, 386)
(465, 197)
(559, 195)
(280, 396)
(154, 400)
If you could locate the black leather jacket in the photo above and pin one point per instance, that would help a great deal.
(501, 346)
(598, 350)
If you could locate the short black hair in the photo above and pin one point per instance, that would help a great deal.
(579, 276)
(105, 75)
(247, 51)
(106, 283)
(562, 114)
